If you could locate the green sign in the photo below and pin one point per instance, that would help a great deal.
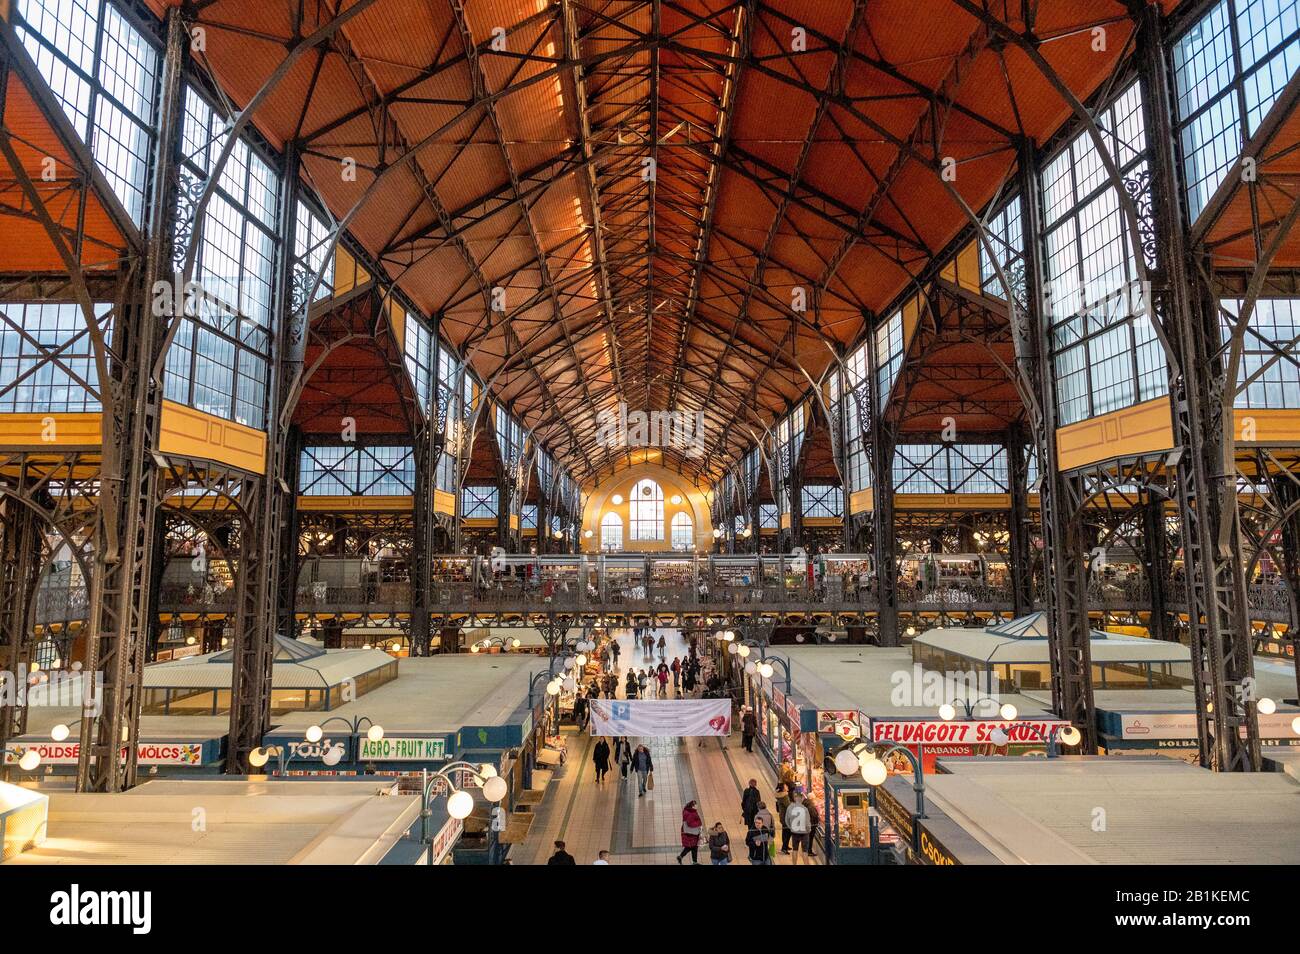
(396, 749)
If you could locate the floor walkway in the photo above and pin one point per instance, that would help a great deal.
(646, 831)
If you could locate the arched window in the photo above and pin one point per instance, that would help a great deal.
(683, 531)
(611, 532)
(646, 511)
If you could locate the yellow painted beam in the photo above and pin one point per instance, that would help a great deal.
(34, 432)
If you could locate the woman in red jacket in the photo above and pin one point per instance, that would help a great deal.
(692, 825)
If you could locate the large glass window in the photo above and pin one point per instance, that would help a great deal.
(823, 500)
(951, 469)
(354, 471)
(47, 362)
(855, 373)
(646, 511)
(1229, 69)
(312, 250)
(218, 360)
(1105, 352)
(683, 531)
(419, 348)
(1269, 373)
(611, 532)
(104, 73)
(479, 501)
(889, 355)
(1007, 238)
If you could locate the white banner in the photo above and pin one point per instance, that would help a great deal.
(657, 718)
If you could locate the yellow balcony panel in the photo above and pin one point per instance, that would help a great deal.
(35, 432)
(185, 432)
(365, 504)
(862, 501)
(444, 502)
(1142, 429)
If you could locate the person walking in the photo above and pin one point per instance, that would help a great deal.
(765, 817)
(814, 822)
(623, 756)
(561, 857)
(676, 668)
(642, 683)
(580, 709)
(692, 826)
(748, 729)
(796, 827)
(600, 757)
(629, 689)
(757, 840)
(782, 804)
(663, 647)
(750, 799)
(719, 845)
(644, 767)
(615, 647)
(602, 858)
(662, 676)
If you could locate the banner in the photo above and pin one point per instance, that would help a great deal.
(661, 718)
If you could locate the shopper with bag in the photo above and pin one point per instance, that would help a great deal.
(692, 826)
(759, 842)
(798, 823)
(623, 756)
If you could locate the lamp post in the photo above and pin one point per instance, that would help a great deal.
(460, 803)
(1067, 734)
(333, 754)
(948, 712)
(499, 642)
(867, 759)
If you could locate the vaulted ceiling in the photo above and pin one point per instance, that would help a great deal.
(676, 204)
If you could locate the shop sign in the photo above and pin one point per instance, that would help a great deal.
(399, 749)
(894, 813)
(975, 732)
(828, 720)
(146, 753)
(1156, 726)
(932, 851)
(446, 839)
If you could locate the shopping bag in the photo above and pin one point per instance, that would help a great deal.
(650, 782)
(771, 850)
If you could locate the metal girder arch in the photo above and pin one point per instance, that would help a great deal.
(742, 33)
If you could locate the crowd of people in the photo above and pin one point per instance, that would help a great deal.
(790, 830)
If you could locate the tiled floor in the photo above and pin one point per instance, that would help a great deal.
(646, 831)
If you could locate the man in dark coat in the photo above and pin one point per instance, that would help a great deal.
(600, 757)
(749, 802)
(748, 729)
(561, 857)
